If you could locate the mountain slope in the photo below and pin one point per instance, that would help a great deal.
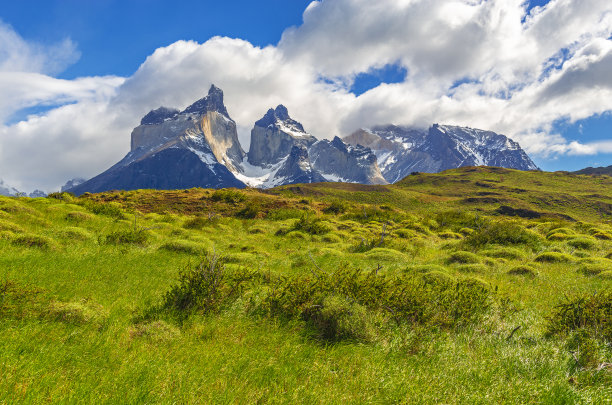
(170, 149)
(403, 150)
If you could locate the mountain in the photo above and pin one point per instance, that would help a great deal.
(171, 149)
(199, 147)
(403, 150)
(596, 170)
(282, 152)
(72, 183)
(7, 190)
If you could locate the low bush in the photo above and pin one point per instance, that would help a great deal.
(228, 195)
(110, 209)
(463, 258)
(450, 235)
(582, 243)
(313, 226)
(523, 271)
(593, 269)
(602, 236)
(503, 233)
(77, 216)
(281, 214)
(155, 331)
(250, 211)
(335, 208)
(196, 223)
(74, 312)
(183, 246)
(554, 257)
(33, 241)
(605, 275)
(590, 312)
(425, 268)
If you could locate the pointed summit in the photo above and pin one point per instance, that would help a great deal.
(279, 115)
(212, 102)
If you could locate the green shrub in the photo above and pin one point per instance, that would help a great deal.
(75, 233)
(558, 237)
(560, 231)
(183, 246)
(74, 312)
(196, 223)
(602, 236)
(228, 195)
(33, 241)
(77, 216)
(336, 207)
(425, 268)
(605, 275)
(250, 211)
(466, 231)
(463, 258)
(457, 220)
(585, 348)
(203, 288)
(336, 318)
(590, 312)
(281, 214)
(554, 257)
(523, 270)
(582, 243)
(332, 238)
(19, 301)
(111, 209)
(313, 226)
(593, 269)
(503, 233)
(127, 237)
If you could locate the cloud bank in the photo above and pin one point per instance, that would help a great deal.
(488, 64)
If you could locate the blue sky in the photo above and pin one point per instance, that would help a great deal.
(338, 65)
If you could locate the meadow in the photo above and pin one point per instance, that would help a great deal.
(476, 285)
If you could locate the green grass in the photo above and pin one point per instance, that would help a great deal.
(103, 298)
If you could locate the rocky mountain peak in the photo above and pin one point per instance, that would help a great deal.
(278, 115)
(212, 102)
(159, 115)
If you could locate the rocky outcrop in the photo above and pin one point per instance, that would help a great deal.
(202, 136)
(338, 161)
(282, 152)
(403, 150)
(274, 136)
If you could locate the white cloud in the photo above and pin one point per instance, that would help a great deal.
(520, 74)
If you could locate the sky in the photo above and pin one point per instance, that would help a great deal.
(77, 76)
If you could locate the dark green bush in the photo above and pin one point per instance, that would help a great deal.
(280, 214)
(554, 257)
(228, 195)
(34, 241)
(523, 270)
(582, 243)
(336, 318)
(456, 220)
(196, 223)
(463, 258)
(404, 298)
(591, 312)
(336, 208)
(313, 226)
(503, 233)
(203, 288)
(250, 210)
(110, 209)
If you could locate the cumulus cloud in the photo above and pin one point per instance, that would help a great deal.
(482, 63)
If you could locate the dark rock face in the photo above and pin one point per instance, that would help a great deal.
(297, 168)
(168, 169)
(338, 161)
(37, 193)
(274, 136)
(158, 116)
(277, 139)
(170, 150)
(403, 150)
(212, 102)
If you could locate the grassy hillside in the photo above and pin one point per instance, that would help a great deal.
(476, 285)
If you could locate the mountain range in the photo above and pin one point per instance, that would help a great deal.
(199, 147)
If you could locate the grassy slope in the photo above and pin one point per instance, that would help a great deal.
(76, 339)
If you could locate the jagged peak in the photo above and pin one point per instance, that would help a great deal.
(212, 102)
(280, 113)
(159, 115)
(338, 143)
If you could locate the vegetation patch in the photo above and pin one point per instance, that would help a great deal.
(590, 312)
(462, 257)
(554, 257)
(503, 233)
(33, 241)
(523, 270)
(183, 246)
(228, 195)
(450, 235)
(127, 237)
(504, 253)
(582, 243)
(472, 268)
(155, 331)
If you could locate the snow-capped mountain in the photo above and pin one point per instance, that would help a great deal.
(197, 147)
(403, 150)
(282, 152)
